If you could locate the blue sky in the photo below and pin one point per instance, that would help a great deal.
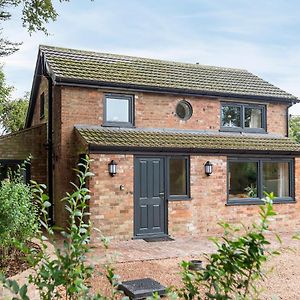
(260, 36)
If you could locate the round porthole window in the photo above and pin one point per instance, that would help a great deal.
(184, 110)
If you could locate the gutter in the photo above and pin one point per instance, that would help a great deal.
(94, 148)
(61, 81)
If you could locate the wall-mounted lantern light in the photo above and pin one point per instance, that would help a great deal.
(208, 168)
(112, 168)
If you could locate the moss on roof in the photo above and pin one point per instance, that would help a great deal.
(152, 73)
(191, 141)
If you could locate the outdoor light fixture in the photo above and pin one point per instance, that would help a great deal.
(208, 168)
(112, 168)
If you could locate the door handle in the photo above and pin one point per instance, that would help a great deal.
(161, 195)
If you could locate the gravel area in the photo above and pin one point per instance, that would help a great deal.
(281, 283)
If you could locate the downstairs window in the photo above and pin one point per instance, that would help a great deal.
(178, 178)
(9, 167)
(249, 179)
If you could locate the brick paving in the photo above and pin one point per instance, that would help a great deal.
(181, 247)
(140, 250)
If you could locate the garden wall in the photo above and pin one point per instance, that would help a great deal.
(32, 141)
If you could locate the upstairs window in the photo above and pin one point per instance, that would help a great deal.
(184, 110)
(42, 106)
(243, 117)
(118, 111)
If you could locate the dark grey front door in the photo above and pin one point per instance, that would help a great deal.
(150, 205)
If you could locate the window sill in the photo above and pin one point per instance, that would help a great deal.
(242, 130)
(177, 198)
(116, 124)
(258, 201)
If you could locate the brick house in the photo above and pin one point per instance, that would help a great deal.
(191, 144)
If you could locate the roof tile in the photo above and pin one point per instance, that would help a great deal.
(170, 139)
(153, 73)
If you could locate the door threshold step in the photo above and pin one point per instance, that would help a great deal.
(158, 239)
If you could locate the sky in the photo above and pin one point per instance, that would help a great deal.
(261, 36)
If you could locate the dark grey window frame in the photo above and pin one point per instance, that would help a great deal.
(260, 161)
(42, 105)
(190, 110)
(188, 184)
(130, 99)
(242, 106)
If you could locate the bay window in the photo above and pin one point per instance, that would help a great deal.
(249, 180)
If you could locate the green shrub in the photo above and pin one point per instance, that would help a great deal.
(233, 270)
(18, 215)
(66, 274)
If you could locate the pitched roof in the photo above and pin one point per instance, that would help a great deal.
(69, 65)
(105, 138)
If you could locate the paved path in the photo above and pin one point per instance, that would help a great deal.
(137, 250)
(140, 250)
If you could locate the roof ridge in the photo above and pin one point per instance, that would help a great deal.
(197, 65)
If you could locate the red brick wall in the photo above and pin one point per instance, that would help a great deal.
(85, 106)
(112, 209)
(158, 110)
(71, 106)
(277, 118)
(18, 146)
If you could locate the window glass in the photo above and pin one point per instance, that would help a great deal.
(242, 180)
(276, 178)
(231, 116)
(184, 110)
(178, 176)
(117, 110)
(7, 170)
(42, 105)
(253, 117)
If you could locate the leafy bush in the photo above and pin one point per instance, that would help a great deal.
(233, 270)
(65, 274)
(18, 216)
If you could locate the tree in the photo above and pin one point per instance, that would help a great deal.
(12, 112)
(35, 15)
(294, 128)
(5, 90)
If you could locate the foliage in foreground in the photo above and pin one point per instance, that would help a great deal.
(66, 274)
(230, 273)
(233, 270)
(18, 215)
